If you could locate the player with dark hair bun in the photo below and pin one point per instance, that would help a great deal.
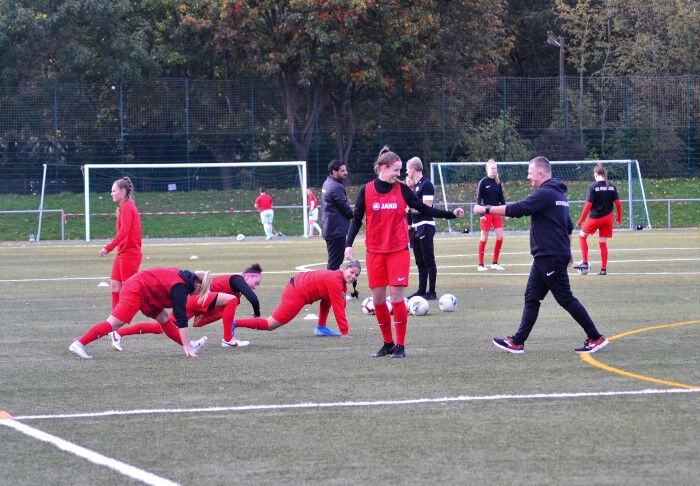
(382, 203)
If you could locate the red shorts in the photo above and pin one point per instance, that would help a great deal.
(291, 304)
(488, 220)
(388, 269)
(125, 266)
(603, 225)
(130, 302)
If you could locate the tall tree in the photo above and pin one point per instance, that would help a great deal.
(321, 50)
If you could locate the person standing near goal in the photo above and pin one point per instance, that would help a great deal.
(335, 213)
(128, 238)
(422, 231)
(550, 246)
(382, 203)
(598, 216)
(490, 193)
(263, 203)
(313, 214)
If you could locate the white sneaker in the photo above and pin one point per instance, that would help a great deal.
(116, 340)
(79, 350)
(481, 268)
(197, 345)
(234, 343)
(496, 266)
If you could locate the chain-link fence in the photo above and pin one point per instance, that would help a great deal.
(653, 120)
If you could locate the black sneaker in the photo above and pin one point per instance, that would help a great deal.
(399, 352)
(583, 268)
(509, 345)
(417, 294)
(603, 272)
(430, 296)
(385, 350)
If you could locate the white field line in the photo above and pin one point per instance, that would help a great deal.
(373, 403)
(118, 466)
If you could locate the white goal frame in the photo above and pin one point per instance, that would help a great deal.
(300, 164)
(436, 169)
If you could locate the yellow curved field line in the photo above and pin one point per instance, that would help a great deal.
(588, 358)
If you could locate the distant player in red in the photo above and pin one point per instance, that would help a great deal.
(263, 203)
(152, 292)
(490, 192)
(225, 295)
(382, 203)
(328, 286)
(128, 238)
(313, 213)
(598, 215)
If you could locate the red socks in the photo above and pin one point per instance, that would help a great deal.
(229, 314)
(172, 331)
(96, 332)
(603, 255)
(482, 250)
(584, 248)
(400, 321)
(253, 323)
(140, 328)
(381, 312)
(497, 250)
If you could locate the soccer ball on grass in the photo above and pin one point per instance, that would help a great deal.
(447, 303)
(418, 306)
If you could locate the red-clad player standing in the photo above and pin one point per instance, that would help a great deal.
(152, 292)
(128, 238)
(599, 211)
(263, 203)
(225, 295)
(313, 214)
(328, 286)
(382, 203)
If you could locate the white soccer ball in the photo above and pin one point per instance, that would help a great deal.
(447, 303)
(368, 306)
(418, 306)
(240, 237)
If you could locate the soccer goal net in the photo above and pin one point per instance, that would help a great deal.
(456, 184)
(192, 194)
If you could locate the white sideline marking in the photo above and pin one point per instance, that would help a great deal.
(375, 403)
(94, 457)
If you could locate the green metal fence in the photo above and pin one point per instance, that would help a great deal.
(653, 120)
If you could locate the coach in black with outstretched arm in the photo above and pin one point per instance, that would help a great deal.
(550, 246)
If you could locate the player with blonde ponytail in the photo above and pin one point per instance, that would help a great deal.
(153, 292)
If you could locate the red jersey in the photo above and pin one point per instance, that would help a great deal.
(328, 286)
(263, 202)
(313, 202)
(385, 220)
(128, 238)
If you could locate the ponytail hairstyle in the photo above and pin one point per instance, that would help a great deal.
(385, 157)
(354, 263)
(493, 162)
(125, 183)
(254, 268)
(601, 171)
(204, 277)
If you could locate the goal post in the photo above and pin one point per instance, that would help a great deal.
(458, 181)
(158, 181)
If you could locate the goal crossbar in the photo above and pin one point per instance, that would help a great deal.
(300, 164)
